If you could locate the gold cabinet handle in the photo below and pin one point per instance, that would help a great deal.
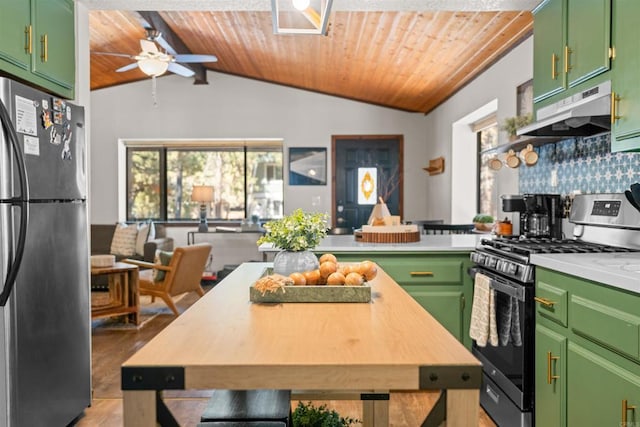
(615, 99)
(567, 52)
(625, 408)
(550, 359)
(421, 273)
(44, 42)
(28, 32)
(554, 71)
(544, 301)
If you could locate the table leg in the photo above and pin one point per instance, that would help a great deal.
(375, 413)
(139, 408)
(463, 407)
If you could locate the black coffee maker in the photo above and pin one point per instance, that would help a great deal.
(540, 214)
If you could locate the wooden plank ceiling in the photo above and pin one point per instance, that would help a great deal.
(411, 61)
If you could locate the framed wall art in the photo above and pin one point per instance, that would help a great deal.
(307, 166)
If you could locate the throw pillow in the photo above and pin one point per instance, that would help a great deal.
(124, 240)
(143, 235)
(163, 258)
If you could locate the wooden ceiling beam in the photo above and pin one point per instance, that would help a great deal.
(153, 20)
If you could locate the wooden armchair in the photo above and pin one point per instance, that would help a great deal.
(183, 274)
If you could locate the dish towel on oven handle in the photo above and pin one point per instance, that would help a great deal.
(508, 319)
(483, 312)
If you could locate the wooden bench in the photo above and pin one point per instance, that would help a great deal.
(239, 407)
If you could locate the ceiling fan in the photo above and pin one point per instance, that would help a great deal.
(154, 62)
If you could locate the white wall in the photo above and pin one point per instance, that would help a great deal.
(235, 107)
(498, 83)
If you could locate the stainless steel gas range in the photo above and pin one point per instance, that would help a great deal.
(602, 223)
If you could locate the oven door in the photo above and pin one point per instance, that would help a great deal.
(510, 364)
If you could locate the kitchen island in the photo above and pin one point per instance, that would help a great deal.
(433, 271)
(224, 341)
(427, 243)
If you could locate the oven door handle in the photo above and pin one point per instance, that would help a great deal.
(500, 284)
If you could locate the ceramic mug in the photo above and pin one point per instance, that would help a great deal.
(494, 164)
(529, 156)
(512, 160)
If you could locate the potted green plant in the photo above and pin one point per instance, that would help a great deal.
(483, 222)
(512, 124)
(308, 415)
(295, 234)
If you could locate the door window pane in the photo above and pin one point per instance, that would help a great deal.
(265, 186)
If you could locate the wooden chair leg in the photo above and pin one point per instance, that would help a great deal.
(200, 291)
(167, 299)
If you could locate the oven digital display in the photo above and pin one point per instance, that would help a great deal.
(606, 207)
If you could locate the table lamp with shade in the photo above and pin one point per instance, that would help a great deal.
(204, 195)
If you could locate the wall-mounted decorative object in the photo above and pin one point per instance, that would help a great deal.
(307, 166)
(436, 166)
(367, 186)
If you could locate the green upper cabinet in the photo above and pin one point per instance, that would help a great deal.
(15, 33)
(625, 130)
(37, 43)
(549, 40)
(572, 40)
(588, 39)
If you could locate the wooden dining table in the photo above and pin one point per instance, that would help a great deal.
(366, 350)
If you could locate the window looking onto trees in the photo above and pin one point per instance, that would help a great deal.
(247, 182)
(487, 197)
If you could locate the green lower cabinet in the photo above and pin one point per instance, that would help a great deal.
(438, 281)
(587, 353)
(550, 378)
(446, 306)
(600, 393)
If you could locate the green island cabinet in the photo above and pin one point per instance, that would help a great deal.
(587, 353)
(37, 43)
(438, 281)
(571, 44)
(625, 129)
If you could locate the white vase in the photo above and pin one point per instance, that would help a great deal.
(287, 262)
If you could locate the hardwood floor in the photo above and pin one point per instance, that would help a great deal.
(112, 347)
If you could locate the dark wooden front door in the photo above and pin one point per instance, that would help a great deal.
(382, 152)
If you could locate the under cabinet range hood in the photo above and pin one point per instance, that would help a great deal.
(582, 114)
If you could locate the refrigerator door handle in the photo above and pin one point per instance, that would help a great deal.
(12, 270)
(21, 202)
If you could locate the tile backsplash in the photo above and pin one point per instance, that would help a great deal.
(583, 164)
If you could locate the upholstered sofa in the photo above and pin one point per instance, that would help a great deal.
(102, 237)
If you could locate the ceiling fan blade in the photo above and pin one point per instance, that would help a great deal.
(181, 70)
(165, 45)
(127, 67)
(124, 55)
(148, 46)
(195, 58)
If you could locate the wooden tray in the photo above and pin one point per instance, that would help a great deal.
(398, 237)
(322, 293)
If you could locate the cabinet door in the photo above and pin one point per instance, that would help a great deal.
(599, 391)
(588, 39)
(444, 306)
(15, 31)
(626, 62)
(550, 378)
(548, 49)
(54, 57)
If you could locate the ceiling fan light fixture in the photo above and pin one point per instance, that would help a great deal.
(153, 67)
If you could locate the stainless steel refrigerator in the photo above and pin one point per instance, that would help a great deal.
(45, 326)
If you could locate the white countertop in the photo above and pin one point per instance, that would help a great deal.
(620, 270)
(427, 243)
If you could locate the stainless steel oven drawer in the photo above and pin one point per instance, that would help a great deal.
(500, 408)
